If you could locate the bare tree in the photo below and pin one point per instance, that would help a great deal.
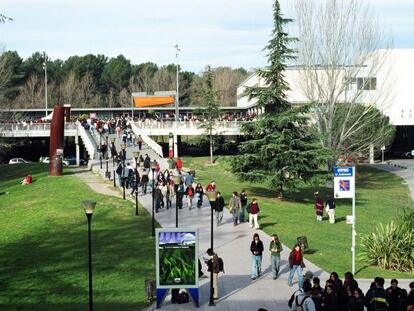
(340, 62)
(31, 94)
(86, 90)
(70, 89)
(226, 81)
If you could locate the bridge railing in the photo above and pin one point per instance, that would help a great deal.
(40, 127)
(154, 124)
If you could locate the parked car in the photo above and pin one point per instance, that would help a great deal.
(409, 154)
(71, 160)
(47, 160)
(18, 161)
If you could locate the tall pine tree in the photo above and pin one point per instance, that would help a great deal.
(280, 148)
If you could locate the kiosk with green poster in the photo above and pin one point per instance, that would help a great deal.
(177, 262)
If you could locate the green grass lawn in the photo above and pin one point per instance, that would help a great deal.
(44, 254)
(380, 198)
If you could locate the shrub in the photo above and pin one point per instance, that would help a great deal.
(391, 246)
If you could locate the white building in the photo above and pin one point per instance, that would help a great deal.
(390, 88)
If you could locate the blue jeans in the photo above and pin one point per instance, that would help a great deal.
(256, 266)
(219, 216)
(241, 215)
(235, 216)
(275, 264)
(298, 270)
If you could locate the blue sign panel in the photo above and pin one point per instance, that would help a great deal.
(343, 171)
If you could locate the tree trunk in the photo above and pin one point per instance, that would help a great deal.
(211, 148)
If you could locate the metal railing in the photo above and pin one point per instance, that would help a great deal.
(154, 124)
(39, 127)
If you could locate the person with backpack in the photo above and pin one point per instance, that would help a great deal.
(213, 264)
(234, 207)
(301, 300)
(200, 192)
(256, 248)
(377, 299)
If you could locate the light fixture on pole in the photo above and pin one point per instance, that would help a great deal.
(89, 206)
(45, 68)
(153, 168)
(212, 196)
(177, 85)
(177, 180)
(113, 152)
(123, 146)
(107, 174)
(136, 156)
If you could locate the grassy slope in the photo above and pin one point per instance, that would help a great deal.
(43, 238)
(380, 196)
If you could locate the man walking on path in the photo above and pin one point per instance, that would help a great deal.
(234, 207)
(243, 202)
(219, 207)
(275, 249)
(213, 264)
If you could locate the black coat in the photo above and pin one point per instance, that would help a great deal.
(256, 248)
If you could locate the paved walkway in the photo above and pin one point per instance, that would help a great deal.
(237, 291)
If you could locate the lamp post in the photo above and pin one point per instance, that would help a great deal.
(212, 196)
(177, 180)
(89, 207)
(45, 68)
(153, 168)
(100, 150)
(106, 156)
(113, 152)
(136, 156)
(123, 146)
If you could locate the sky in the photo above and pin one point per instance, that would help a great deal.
(209, 32)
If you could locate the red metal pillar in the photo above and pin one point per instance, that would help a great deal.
(56, 142)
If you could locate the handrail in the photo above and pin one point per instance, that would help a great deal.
(154, 124)
(88, 141)
(32, 127)
(148, 140)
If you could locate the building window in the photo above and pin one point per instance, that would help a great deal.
(367, 84)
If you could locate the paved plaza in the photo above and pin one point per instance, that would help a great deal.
(237, 291)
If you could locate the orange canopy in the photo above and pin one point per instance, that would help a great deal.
(153, 101)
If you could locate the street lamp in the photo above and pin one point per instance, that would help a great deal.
(45, 68)
(113, 152)
(106, 156)
(153, 168)
(100, 150)
(212, 196)
(89, 207)
(136, 156)
(123, 146)
(177, 180)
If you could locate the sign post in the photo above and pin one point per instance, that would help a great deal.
(344, 187)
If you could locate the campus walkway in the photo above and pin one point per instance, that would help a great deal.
(236, 290)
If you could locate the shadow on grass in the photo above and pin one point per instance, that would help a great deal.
(47, 270)
(310, 251)
(264, 225)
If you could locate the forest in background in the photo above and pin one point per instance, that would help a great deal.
(99, 81)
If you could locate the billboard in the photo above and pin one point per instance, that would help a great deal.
(344, 182)
(176, 258)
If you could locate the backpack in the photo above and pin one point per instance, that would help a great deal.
(299, 307)
(290, 302)
(221, 265)
(119, 169)
(190, 192)
(183, 297)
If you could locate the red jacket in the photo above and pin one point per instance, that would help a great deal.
(179, 164)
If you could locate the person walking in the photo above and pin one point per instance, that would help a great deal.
(253, 210)
(157, 197)
(296, 264)
(180, 194)
(213, 264)
(275, 248)
(302, 298)
(147, 162)
(330, 209)
(243, 202)
(189, 192)
(234, 207)
(200, 192)
(377, 298)
(144, 182)
(219, 206)
(256, 248)
(189, 179)
(318, 206)
(139, 139)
